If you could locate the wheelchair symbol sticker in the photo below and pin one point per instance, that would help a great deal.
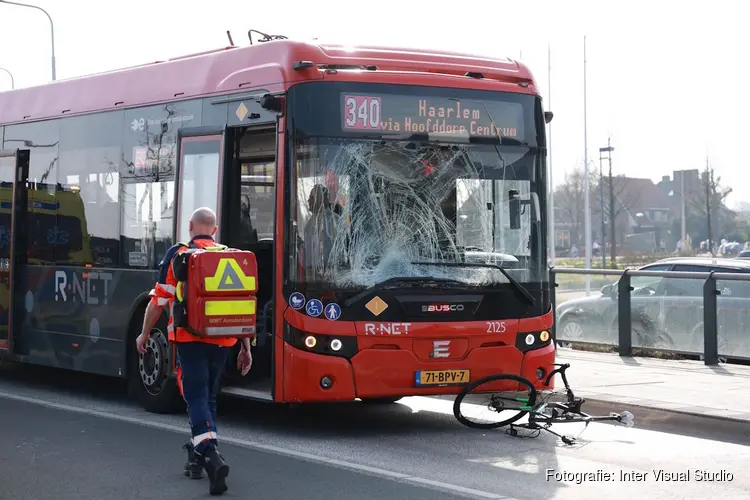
(333, 312)
(314, 308)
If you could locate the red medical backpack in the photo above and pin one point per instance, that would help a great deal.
(215, 295)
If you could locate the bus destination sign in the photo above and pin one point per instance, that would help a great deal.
(400, 114)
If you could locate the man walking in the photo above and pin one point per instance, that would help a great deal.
(201, 360)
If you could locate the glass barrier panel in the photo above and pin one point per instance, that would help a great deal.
(733, 311)
(667, 313)
(586, 318)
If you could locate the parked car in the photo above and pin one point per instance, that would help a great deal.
(666, 313)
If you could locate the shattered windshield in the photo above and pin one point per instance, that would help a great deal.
(365, 209)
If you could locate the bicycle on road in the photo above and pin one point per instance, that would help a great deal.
(532, 403)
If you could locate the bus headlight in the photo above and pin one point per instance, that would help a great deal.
(529, 341)
(344, 346)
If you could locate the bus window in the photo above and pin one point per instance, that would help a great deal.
(199, 179)
(257, 201)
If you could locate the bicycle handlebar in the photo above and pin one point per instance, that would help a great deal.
(561, 367)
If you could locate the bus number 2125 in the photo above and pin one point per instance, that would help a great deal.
(496, 327)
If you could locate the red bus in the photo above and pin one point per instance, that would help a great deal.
(395, 200)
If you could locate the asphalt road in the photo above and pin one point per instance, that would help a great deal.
(61, 455)
(72, 436)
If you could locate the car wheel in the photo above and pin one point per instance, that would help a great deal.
(569, 330)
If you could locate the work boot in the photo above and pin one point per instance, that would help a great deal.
(193, 469)
(216, 468)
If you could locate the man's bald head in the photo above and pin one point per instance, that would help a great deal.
(202, 221)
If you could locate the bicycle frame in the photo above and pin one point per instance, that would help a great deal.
(569, 412)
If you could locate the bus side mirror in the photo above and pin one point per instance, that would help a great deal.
(514, 208)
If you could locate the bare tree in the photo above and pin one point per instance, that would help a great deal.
(570, 200)
(706, 200)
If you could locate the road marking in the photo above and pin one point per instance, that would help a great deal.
(366, 469)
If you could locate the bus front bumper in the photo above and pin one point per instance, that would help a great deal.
(387, 373)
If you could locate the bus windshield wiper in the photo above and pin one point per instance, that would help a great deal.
(425, 281)
(518, 286)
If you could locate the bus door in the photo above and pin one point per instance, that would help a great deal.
(207, 175)
(200, 169)
(14, 205)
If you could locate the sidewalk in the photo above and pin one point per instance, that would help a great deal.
(686, 387)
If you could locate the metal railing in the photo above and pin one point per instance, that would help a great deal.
(652, 311)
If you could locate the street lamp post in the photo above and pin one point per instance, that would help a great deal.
(586, 206)
(607, 150)
(683, 239)
(12, 81)
(52, 30)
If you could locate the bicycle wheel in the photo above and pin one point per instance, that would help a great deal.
(504, 395)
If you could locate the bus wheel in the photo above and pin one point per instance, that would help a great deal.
(150, 375)
(380, 401)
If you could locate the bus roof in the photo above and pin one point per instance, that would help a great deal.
(267, 66)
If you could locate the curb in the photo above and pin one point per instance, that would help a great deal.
(693, 424)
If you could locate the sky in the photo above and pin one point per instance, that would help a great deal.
(665, 80)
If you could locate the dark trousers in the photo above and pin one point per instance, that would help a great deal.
(202, 368)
